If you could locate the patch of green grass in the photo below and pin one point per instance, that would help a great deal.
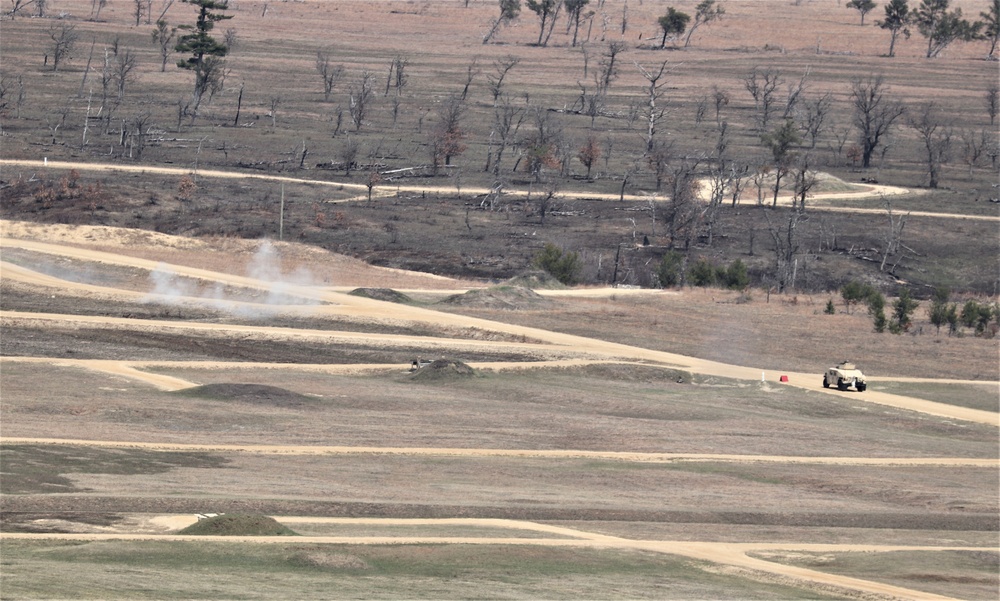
(958, 574)
(179, 570)
(39, 469)
(974, 396)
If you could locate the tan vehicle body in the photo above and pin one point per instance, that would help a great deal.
(843, 376)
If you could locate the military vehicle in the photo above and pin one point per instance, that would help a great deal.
(845, 375)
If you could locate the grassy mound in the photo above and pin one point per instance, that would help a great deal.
(238, 524)
(499, 297)
(382, 294)
(257, 394)
(443, 369)
(536, 279)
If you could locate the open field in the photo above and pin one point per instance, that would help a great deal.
(126, 412)
(165, 357)
(445, 224)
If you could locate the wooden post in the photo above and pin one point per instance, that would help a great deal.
(281, 216)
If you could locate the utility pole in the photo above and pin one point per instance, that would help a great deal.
(281, 217)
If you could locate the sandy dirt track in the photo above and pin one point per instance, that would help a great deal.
(523, 453)
(558, 344)
(562, 349)
(867, 191)
(731, 554)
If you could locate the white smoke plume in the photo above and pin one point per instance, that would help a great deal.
(265, 267)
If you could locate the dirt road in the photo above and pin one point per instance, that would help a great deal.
(555, 345)
(555, 348)
(867, 191)
(731, 554)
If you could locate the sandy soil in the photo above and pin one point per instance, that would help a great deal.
(562, 348)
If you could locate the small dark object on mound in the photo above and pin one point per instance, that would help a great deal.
(257, 394)
(442, 369)
(499, 297)
(382, 294)
(536, 279)
(238, 524)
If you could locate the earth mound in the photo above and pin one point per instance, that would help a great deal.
(256, 394)
(536, 279)
(499, 297)
(382, 294)
(238, 524)
(442, 369)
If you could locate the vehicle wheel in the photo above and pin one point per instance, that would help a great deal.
(861, 386)
(841, 384)
(826, 384)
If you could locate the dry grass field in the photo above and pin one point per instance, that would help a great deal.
(163, 356)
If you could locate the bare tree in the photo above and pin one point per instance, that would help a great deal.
(992, 99)
(974, 147)
(936, 138)
(12, 94)
(446, 137)
(163, 36)
(794, 93)
(814, 116)
(762, 86)
(349, 154)
(471, 72)
(139, 10)
(785, 248)
(681, 214)
(659, 157)
(654, 113)
(893, 234)
(397, 68)
(330, 73)
(125, 65)
(805, 181)
(495, 80)
(609, 64)
(361, 98)
(507, 120)
(721, 99)
(874, 113)
(273, 110)
(64, 37)
(589, 153)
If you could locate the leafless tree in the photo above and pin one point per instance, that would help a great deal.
(682, 209)
(654, 113)
(349, 154)
(936, 137)
(471, 72)
(273, 110)
(659, 157)
(814, 116)
(125, 64)
(163, 37)
(495, 80)
(762, 86)
(361, 98)
(139, 10)
(12, 94)
(974, 146)
(540, 147)
(17, 5)
(330, 73)
(609, 64)
(135, 134)
(893, 234)
(785, 248)
(794, 95)
(40, 6)
(397, 74)
(447, 135)
(64, 37)
(992, 99)
(507, 120)
(874, 113)
(721, 99)
(805, 180)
